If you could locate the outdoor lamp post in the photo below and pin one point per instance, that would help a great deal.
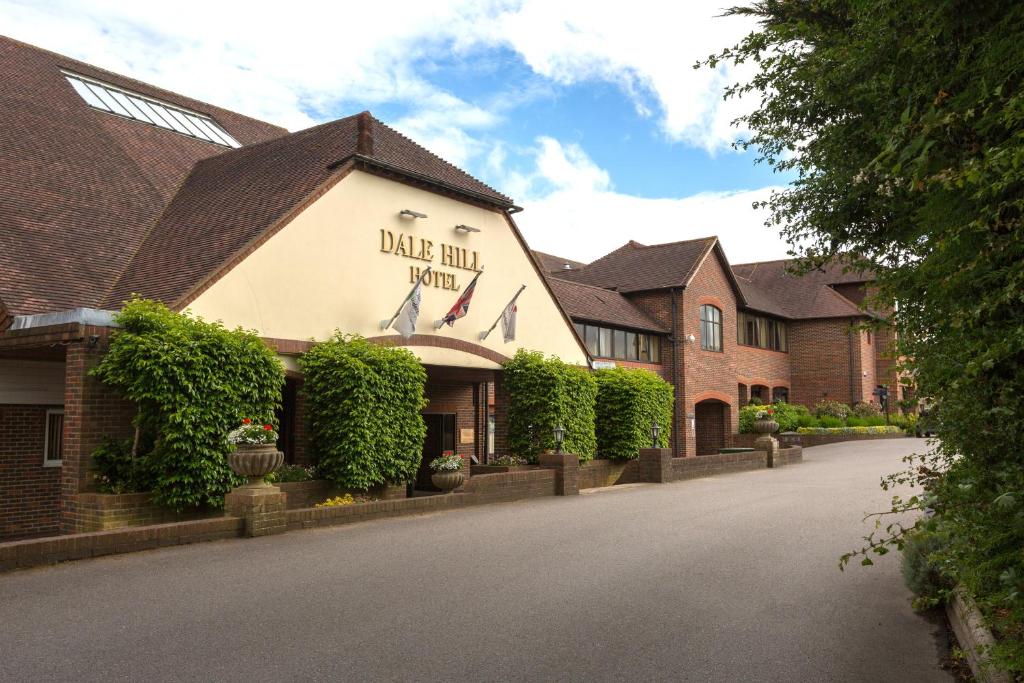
(655, 431)
(559, 436)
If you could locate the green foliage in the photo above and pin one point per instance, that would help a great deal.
(628, 401)
(364, 408)
(193, 382)
(755, 401)
(116, 471)
(543, 393)
(865, 410)
(856, 422)
(788, 415)
(888, 429)
(830, 422)
(924, 567)
(807, 421)
(834, 409)
(902, 122)
(291, 473)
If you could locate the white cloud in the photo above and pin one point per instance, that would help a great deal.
(584, 218)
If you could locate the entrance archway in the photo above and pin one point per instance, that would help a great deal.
(711, 426)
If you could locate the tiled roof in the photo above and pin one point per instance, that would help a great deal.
(776, 291)
(230, 200)
(594, 304)
(80, 188)
(556, 264)
(634, 267)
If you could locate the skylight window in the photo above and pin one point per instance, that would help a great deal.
(147, 110)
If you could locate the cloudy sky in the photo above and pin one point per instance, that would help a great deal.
(589, 114)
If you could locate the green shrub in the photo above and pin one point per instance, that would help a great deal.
(923, 567)
(627, 402)
(291, 473)
(858, 422)
(747, 418)
(116, 471)
(755, 401)
(830, 421)
(193, 382)
(849, 430)
(827, 408)
(807, 421)
(364, 410)
(788, 415)
(875, 421)
(543, 393)
(863, 409)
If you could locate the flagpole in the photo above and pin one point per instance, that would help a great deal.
(483, 335)
(385, 324)
(438, 324)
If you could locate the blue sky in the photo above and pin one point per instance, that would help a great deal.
(588, 114)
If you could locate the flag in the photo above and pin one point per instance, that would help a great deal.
(461, 306)
(405, 321)
(508, 321)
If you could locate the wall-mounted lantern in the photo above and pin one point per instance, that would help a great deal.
(559, 437)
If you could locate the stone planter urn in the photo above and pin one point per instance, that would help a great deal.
(447, 481)
(255, 461)
(766, 426)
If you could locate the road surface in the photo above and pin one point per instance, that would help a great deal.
(730, 578)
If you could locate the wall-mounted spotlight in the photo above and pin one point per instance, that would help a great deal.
(409, 213)
(466, 228)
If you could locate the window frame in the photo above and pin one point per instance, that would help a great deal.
(622, 343)
(711, 328)
(765, 332)
(47, 461)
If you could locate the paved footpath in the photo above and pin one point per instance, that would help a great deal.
(731, 578)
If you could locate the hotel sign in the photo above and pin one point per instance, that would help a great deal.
(422, 249)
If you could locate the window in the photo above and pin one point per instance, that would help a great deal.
(780, 395)
(138, 107)
(53, 440)
(606, 342)
(710, 328)
(761, 332)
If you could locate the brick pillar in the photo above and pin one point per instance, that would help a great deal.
(656, 464)
(92, 412)
(262, 508)
(567, 472)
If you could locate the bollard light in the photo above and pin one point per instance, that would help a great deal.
(655, 431)
(559, 437)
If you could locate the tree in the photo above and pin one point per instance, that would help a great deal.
(900, 122)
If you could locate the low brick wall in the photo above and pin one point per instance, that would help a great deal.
(599, 473)
(104, 511)
(708, 465)
(306, 494)
(807, 440)
(53, 549)
(478, 490)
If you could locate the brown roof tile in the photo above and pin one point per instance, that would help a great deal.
(774, 290)
(594, 304)
(80, 188)
(634, 267)
(230, 200)
(556, 264)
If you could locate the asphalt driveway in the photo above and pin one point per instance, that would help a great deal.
(731, 578)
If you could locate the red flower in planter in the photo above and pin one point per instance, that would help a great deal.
(246, 421)
(268, 427)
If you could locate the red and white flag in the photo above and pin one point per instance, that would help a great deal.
(461, 307)
(508, 321)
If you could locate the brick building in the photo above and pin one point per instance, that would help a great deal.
(111, 187)
(723, 334)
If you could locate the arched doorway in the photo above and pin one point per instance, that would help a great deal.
(711, 426)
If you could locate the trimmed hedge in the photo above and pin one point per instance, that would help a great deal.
(193, 382)
(364, 409)
(850, 430)
(543, 393)
(627, 401)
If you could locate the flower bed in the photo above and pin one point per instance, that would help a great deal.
(828, 431)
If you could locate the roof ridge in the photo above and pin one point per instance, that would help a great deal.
(405, 137)
(672, 244)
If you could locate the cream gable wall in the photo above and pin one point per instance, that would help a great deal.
(325, 270)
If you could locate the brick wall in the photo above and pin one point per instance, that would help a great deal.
(29, 492)
(864, 355)
(457, 399)
(710, 374)
(762, 366)
(92, 412)
(820, 353)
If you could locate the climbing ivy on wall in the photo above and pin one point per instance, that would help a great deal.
(627, 403)
(364, 409)
(193, 382)
(543, 393)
